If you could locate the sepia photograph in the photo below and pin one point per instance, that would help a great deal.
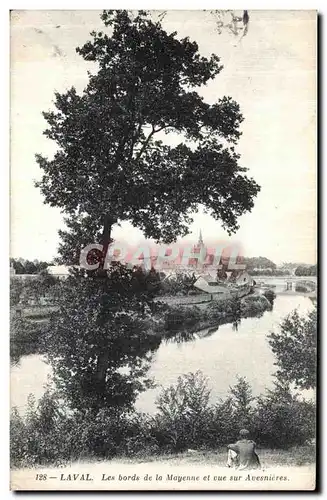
(163, 250)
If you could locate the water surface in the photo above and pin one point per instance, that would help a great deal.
(221, 357)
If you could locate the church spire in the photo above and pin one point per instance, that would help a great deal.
(200, 239)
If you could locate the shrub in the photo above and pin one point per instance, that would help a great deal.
(255, 305)
(270, 295)
(179, 317)
(185, 419)
(19, 452)
(46, 435)
(183, 412)
(283, 420)
(295, 348)
(222, 427)
(242, 403)
(230, 415)
(141, 438)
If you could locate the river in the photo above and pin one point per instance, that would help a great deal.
(221, 357)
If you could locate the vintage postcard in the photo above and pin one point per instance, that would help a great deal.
(163, 260)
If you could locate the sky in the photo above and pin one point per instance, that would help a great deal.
(270, 72)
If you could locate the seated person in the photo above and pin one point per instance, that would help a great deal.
(242, 455)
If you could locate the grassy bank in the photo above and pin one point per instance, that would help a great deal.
(215, 313)
(298, 456)
(293, 457)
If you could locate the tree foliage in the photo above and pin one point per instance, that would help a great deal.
(112, 162)
(100, 339)
(295, 348)
(270, 295)
(183, 410)
(306, 270)
(259, 263)
(181, 283)
(282, 419)
(242, 399)
(24, 266)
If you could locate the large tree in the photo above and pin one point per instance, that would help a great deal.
(295, 348)
(112, 162)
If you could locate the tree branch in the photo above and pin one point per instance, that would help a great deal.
(146, 142)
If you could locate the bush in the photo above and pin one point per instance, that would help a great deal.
(179, 317)
(46, 435)
(141, 438)
(270, 295)
(222, 427)
(284, 420)
(255, 305)
(183, 413)
(185, 419)
(230, 415)
(295, 348)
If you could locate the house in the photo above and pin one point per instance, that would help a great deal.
(208, 284)
(232, 282)
(244, 278)
(59, 271)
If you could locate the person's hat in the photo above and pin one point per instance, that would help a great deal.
(244, 433)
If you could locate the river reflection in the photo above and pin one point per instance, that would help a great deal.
(221, 355)
(229, 351)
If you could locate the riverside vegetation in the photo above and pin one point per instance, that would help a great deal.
(49, 434)
(58, 429)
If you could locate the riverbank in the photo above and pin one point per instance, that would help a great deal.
(214, 314)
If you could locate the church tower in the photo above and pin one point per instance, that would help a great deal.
(200, 242)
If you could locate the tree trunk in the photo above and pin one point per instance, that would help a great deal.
(103, 356)
(101, 371)
(106, 237)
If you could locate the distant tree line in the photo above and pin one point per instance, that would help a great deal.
(258, 263)
(306, 270)
(24, 266)
(268, 272)
(257, 266)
